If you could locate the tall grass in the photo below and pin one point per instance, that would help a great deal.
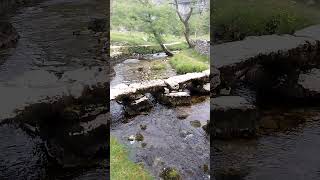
(189, 61)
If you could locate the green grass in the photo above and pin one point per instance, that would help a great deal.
(130, 38)
(155, 48)
(234, 20)
(120, 165)
(139, 38)
(188, 61)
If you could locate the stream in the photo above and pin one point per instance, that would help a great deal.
(169, 140)
(285, 154)
(45, 51)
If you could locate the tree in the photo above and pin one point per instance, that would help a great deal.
(155, 20)
(185, 20)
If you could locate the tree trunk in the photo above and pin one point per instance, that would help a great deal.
(165, 49)
(187, 33)
(160, 42)
(185, 23)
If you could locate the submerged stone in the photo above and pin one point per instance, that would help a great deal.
(143, 126)
(143, 145)
(233, 116)
(139, 137)
(181, 114)
(170, 174)
(138, 106)
(195, 123)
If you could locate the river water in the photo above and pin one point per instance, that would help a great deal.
(168, 140)
(286, 154)
(47, 45)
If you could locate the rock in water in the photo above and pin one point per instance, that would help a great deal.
(310, 83)
(175, 99)
(233, 116)
(137, 106)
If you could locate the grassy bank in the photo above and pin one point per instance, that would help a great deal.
(188, 61)
(120, 165)
(139, 38)
(234, 20)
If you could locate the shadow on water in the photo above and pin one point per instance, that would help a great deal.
(172, 137)
(46, 43)
(289, 153)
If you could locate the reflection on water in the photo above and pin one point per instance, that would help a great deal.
(46, 44)
(290, 154)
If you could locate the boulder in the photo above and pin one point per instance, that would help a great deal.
(175, 99)
(310, 83)
(233, 116)
(137, 106)
(202, 47)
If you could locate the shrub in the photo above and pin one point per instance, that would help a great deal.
(189, 61)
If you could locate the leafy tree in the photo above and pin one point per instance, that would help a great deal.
(155, 20)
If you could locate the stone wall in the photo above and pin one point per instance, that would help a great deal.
(202, 47)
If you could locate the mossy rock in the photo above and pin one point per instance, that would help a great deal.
(170, 174)
(139, 137)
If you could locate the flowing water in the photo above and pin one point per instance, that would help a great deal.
(47, 44)
(288, 154)
(168, 140)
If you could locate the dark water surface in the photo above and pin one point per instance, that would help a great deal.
(290, 154)
(47, 44)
